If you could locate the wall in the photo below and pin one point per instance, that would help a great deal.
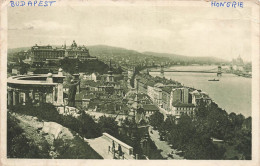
(125, 148)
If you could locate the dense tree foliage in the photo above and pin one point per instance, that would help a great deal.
(74, 149)
(19, 146)
(156, 119)
(193, 134)
(88, 66)
(108, 125)
(84, 124)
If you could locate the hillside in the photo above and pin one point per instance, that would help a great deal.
(127, 57)
(102, 51)
(176, 57)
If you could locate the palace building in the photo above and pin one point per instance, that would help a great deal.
(46, 54)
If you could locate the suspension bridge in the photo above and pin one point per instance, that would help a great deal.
(217, 70)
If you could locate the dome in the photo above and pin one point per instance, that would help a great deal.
(60, 70)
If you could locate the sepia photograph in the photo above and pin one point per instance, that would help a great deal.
(128, 80)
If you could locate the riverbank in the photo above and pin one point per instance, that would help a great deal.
(232, 93)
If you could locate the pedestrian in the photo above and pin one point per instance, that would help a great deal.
(119, 150)
(113, 146)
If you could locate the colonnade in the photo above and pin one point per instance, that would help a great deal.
(50, 94)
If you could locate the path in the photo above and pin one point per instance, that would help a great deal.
(100, 145)
(162, 145)
(99, 114)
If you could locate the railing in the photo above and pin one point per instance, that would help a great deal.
(125, 148)
(116, 153)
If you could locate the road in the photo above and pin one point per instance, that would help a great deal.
(162, 145)
(99, 114)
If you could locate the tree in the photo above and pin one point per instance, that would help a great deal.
(108, 125)
(72, 94)
(19, 146)
(156, 119)
(88, 126)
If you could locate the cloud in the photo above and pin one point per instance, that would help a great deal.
(121, 30)
(43, 25)
(158, 33)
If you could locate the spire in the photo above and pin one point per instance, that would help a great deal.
(77, 68)
(110, 67)
(110, 64)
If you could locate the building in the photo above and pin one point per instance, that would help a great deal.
(40, 55)
(197, 97)
(42, 88)
(92, 77)
(166, 93)
(149, 109)
(130, 74)
(179, 102)
(110, 76)
(155, 93)
(179, 108)
(238, 64)
(179, 94)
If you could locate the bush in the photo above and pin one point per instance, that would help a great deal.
(74, 149)
(18, 146)
(84, 124)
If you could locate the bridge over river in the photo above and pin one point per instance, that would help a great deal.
(216, 70)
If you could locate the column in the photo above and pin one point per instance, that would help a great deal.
(44, 97)
(49, 96)
(26, 97)
(54, 94)
(23, 98)
(15, 97)
(10, 97)
(33, 96)
(40, 97)
(20, 99)
(60, 94)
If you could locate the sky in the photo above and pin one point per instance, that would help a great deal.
(192, 31)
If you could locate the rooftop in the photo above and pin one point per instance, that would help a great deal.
(36, 80)
(179, 104)
(150, 107)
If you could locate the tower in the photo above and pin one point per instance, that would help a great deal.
(60, 87)
(137, 85)
(219, 73)
(110, 77)
(147, 71)
(162, 71)
(74, 45)
(76, 76)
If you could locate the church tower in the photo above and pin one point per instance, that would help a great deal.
(110, 77)
(76, 76)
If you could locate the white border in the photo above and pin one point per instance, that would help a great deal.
(255, 91)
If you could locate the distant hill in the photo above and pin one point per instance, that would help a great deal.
(118, 54)
(176, 57)
(103, 50)
(109, 51)
(15, 50)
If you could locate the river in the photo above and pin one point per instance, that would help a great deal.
(232, 93)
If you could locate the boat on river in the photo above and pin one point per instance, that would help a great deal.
(214, 80)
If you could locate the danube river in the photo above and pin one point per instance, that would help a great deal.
(231, 92)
